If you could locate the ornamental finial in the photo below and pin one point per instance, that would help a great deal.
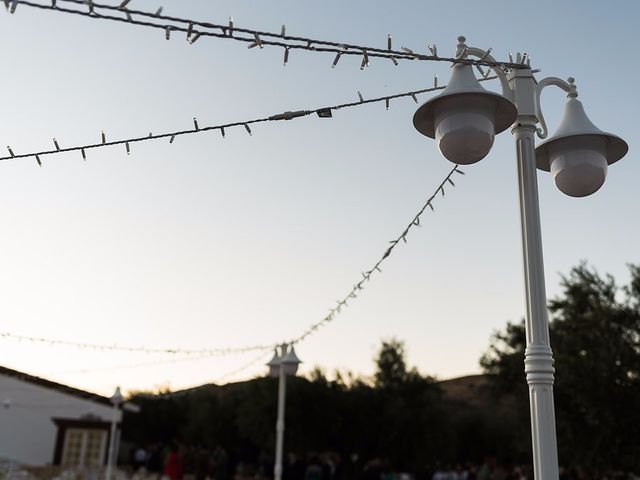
(573, 89)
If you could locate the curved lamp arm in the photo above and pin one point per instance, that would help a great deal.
(568, 86)
(463, 51)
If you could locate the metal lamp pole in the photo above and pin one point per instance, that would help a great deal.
(464, 119)
(281, 365)
(282, 398)
(116, 400)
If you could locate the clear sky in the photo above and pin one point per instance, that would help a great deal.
(211, 243)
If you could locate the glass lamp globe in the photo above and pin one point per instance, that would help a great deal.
(464, 118)
(579, 153)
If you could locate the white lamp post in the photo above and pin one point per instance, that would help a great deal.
(116, 400)
(464, 119)
(282, 364)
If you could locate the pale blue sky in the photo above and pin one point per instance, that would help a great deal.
(209, 243)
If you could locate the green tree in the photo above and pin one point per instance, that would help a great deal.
(595, 335)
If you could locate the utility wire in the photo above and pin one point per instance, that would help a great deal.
(321, 112)
(195, 29)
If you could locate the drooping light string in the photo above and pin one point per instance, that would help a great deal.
(134, 349)
(253, 37)
(366, 275)
(333, 312)
(324, 112)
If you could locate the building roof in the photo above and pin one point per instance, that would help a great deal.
(41, 382)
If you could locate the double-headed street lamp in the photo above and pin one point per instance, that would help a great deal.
(464, 119)
(284, 362)
(117, 399)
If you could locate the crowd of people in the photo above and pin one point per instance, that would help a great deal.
(177, 462)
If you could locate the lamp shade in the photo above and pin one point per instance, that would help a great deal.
(579, 153)
(290, 362)
(465, 117)
(274, 365)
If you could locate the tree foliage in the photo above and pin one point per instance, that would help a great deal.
(595, 336)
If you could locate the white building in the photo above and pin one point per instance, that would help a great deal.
(43, 422)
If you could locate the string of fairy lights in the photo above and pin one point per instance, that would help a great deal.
(324, 112)
(194, 30)
(200, 354)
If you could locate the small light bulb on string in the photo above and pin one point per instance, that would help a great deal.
(336, 60)
(55, 142)
(486, 54)
(10, 151)
(247, 128)
(365, 60)
(195, 38)
(258, 41)
(124, 4)
(286, 56)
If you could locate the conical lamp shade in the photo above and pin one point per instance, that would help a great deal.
(274, 365)
(575, 123)
(464, 84)
(579, 153)
(290, 362)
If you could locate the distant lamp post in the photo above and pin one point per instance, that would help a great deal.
(116, 400)
(284, 363)
(464, 119)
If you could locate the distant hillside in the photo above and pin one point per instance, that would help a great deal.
(473, 390)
